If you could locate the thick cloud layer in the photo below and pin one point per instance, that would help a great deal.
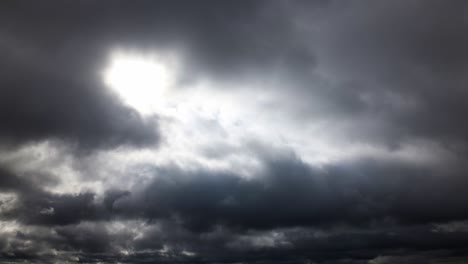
(370, 207)
(49, 89)
(292, 132)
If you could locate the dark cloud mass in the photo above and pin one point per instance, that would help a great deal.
(294, 131)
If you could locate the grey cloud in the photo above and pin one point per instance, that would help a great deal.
(405, 64)
(383, 73)
(376, 57)
(289, 193)
(166, 242)
(50, 88)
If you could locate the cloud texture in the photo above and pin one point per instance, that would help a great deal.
(293, 132)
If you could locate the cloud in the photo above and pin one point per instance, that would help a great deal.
(397, 62)
(289, 193)
(49, 94)
(296, 132)
(287, 209)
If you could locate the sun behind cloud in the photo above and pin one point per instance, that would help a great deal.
(140, 80)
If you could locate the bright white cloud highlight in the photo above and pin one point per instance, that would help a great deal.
(140, 80)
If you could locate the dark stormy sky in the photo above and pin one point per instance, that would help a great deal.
(315, 132)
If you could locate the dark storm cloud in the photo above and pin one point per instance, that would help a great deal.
(290, 193)
(387, 71)
(403, 63)
(35, 205)
(73, 112)
(10, 182)
(52, 52)
(209, 31)
(395, 67)
(381, 206)
(51, 88)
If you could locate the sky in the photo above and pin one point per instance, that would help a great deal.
(279, 131)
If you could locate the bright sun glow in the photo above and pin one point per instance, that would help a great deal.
(140, 81)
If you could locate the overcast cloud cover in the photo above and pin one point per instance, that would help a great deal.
(287, 132)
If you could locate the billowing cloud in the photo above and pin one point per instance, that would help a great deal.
(289, 132)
